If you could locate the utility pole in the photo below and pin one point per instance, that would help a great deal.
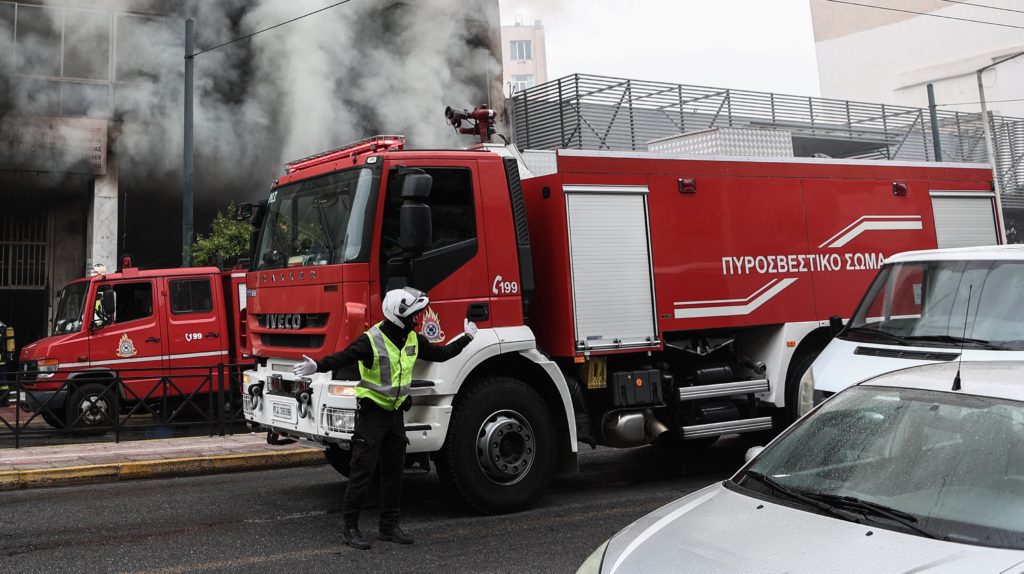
(990, 145)
(188, 167)
(936, 142)
(989, 142)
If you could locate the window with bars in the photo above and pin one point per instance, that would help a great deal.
(24, 250)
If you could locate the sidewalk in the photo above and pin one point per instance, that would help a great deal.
(104, 462)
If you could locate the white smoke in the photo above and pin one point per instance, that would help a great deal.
(349, 72)
(365, 67)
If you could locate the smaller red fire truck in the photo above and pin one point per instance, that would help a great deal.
(145, 335)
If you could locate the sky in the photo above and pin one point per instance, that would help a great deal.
(764, 45)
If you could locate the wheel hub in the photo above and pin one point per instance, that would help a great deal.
(505, 447)
(93, 409)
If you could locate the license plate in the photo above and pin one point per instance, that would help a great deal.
(284, 412)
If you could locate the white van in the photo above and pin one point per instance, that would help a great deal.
(928, 307)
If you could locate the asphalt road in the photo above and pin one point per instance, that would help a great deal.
(289, 520)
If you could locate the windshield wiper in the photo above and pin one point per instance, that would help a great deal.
(953, 339)
(324, 229)
(797, 495)
(895, 339)
(867, 507)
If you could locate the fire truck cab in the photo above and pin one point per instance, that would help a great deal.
(623, 299)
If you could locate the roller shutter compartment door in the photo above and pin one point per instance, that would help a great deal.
(964, 220)
(612, 283)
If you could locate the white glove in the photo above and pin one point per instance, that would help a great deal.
(469, 328)
(306, 367)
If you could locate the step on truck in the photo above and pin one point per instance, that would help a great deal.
(623, 299)
(134, 336)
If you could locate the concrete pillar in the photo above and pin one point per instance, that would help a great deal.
(101, 235)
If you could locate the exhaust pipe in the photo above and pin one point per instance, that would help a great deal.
(625, 429)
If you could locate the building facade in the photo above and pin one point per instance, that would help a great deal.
(523, 56)
(875, 55)
(91, 117)
(64, 72)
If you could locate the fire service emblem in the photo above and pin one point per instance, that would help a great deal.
(126, 348)
(432, 327)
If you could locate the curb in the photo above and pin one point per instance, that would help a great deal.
(43, 477)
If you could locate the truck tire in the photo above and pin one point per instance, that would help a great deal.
(57, 420)
(500, 452)
(90, 409)
(340, 459)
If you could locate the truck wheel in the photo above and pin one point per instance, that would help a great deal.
(797, 368)
(500, 451)
(340, 459)
(90, 410)
(55, 419)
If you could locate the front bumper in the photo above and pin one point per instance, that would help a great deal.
(284, 414)
(32, 401)
(425, 425)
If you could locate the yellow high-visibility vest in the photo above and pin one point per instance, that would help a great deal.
(387, 381)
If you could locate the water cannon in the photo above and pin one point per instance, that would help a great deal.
(481, 121)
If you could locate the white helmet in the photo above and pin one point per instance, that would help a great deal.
(401, 305)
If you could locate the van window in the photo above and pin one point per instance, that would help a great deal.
(938, 303)
(133, 301)
(191, 296)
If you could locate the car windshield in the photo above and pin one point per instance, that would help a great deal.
(978, 304)
(70, 307)
(318, 221)
(942, 464)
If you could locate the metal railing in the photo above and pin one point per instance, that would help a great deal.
(602, 113)
(83, 403)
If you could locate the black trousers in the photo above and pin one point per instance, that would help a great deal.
(378, 441)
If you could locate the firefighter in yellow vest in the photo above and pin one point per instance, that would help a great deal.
(385, 355)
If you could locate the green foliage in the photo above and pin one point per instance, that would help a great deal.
(228, 239)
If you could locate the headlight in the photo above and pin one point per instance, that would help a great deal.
(338, 420)
(805, 393)
(47, 368)
(592, 565)
(341, 390)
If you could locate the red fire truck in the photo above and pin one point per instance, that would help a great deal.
(123, 333)
(622, 298)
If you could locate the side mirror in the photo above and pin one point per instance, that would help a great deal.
(243, 211)
(416, 186)
(414, 217)
(835, 325)
(417, 230)
(109, 302)
(752, 452)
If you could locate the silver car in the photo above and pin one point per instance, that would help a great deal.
(900, 473)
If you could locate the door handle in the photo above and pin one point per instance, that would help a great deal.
(213, 335)
(478, 312)
(152, 339)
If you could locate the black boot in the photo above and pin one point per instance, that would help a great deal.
(354, 538)
(394, 534)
